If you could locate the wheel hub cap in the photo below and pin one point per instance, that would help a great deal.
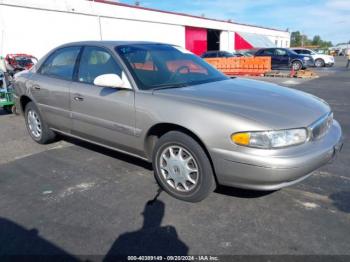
(34, 123)
(179, 168)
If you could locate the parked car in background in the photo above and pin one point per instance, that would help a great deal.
(214, 54)
(247, 53)
(320, 60)
(19, 62)
(240, 53)
(286, 58)
(161, 103)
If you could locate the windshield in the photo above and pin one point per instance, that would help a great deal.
(157, 65)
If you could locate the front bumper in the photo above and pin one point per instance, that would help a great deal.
(282, 168)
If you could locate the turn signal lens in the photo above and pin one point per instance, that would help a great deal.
(241, 138)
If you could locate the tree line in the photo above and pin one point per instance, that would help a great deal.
(298, 39)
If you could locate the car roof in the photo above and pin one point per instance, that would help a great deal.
(300, 48)
(111, 44)
(265, 48)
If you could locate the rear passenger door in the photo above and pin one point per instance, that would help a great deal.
(50, 85)
(102, 114)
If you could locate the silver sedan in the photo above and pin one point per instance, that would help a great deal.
(165, 105)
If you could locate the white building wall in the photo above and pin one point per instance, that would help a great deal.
(36, 26)
(231, 41)
(40, 31)
(113, 29)
(224, 41)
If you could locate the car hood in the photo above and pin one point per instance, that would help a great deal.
(324, 56)
(270, 105)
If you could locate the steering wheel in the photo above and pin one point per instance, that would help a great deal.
(177, 72)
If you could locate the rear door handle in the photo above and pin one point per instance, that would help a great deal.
(36, 87)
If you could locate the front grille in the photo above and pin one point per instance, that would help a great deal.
(321, 127)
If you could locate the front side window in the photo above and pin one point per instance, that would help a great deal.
(280, 52)
(267, 52)
(158, 65)
(61, 63)
(96, 61)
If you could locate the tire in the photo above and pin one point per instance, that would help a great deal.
(7, 109)
(183, 168)
(319, 62)
(36, 127)
(297, 65)
(10, 109)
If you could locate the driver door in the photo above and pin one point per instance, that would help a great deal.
(102, 114)
(282, 57)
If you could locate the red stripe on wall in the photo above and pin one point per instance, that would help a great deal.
(196, 40)
(241, 43)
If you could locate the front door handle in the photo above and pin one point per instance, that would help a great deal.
(78, 97)
(36, 87)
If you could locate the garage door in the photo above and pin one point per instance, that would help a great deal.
(196, 40)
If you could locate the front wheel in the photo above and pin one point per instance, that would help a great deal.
(182, 168)
(37, 128)
(319, 63)
(297, 65)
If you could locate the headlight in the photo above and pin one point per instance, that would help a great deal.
(306, 58)
(270, 139)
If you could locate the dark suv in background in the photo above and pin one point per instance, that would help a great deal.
(214, 54)
(286, 58)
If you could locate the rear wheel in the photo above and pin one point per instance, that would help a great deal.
(319, 62)
(182, 167)
(10, 109)
(36, 127)
(7, 109)
(297, 65)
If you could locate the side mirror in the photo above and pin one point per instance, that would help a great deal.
(110, 80)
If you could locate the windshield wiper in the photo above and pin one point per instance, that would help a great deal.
(168, 86)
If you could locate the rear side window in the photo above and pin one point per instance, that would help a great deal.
(61, 63)
(225, 54)
(210, 55)
(306, 52)
(267, 52)
(96, 61)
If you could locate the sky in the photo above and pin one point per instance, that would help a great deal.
(328, 18)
